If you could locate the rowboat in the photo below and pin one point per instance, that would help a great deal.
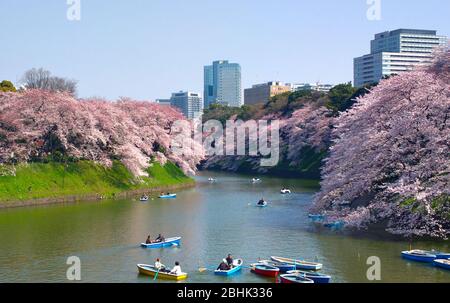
(438, 254)
(294, 279)
(299, 264)
(167, 243)
(144, 199)
(237, 265)
(212, 179)
(442, 263)
(285, 191)
(261, 205)
(316, 217)
(335, 224)
(170, 196)
(256, 180)
(150, 270)
(283, 267)
(264, 270)
(441, 255)
(419, 256)
(316, 277)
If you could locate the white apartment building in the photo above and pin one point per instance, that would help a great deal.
(395, 52)
(319, 87)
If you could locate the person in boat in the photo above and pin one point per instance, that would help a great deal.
(149, 240)
(230, 260)
(176, 270)
(261, 202)
(160, 238)
(159, 266)
(223, 265)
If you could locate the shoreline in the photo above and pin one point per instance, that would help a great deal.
(92, 197)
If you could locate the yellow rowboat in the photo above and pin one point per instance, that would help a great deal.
(150, 270)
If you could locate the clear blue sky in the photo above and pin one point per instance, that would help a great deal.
(146, 49)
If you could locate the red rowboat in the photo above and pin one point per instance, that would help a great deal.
(265, 270)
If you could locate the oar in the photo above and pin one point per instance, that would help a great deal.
(203, 269)
(156, 276)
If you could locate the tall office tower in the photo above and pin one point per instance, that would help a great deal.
(222, 84)
(261, 93)
(190, 104)
(395, 52)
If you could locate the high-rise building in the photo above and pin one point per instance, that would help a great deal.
(318, 87)
(395, 52)
(261, 93)
(190, 104)
(222, 84)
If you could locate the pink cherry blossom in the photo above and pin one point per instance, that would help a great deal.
(391, 156)
(135, 132)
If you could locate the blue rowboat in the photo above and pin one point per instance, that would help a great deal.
(438, 254)
(419, 256)
(335, 225)
(316, 277)
(299, 264)
(295, 279)
(237, 265)
(171, 196)
(167, 243)
(284, 267)
(442, 255)
(442, 263)
(316, 217)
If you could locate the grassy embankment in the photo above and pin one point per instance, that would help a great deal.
(82, 178)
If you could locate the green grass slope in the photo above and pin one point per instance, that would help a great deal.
(54, 180)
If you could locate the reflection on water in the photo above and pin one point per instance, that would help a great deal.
(213, 219)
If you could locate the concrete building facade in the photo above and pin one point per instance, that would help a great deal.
(319, 87)
(261, 93)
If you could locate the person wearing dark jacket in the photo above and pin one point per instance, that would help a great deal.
(223, 266)
(229, 260)
(160, 238)
(148, 241)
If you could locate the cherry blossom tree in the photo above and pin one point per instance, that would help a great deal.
(390, 162)
(36, 124)
(306, 129)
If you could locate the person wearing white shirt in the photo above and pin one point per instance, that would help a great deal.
(176, 270)
(159, 265)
